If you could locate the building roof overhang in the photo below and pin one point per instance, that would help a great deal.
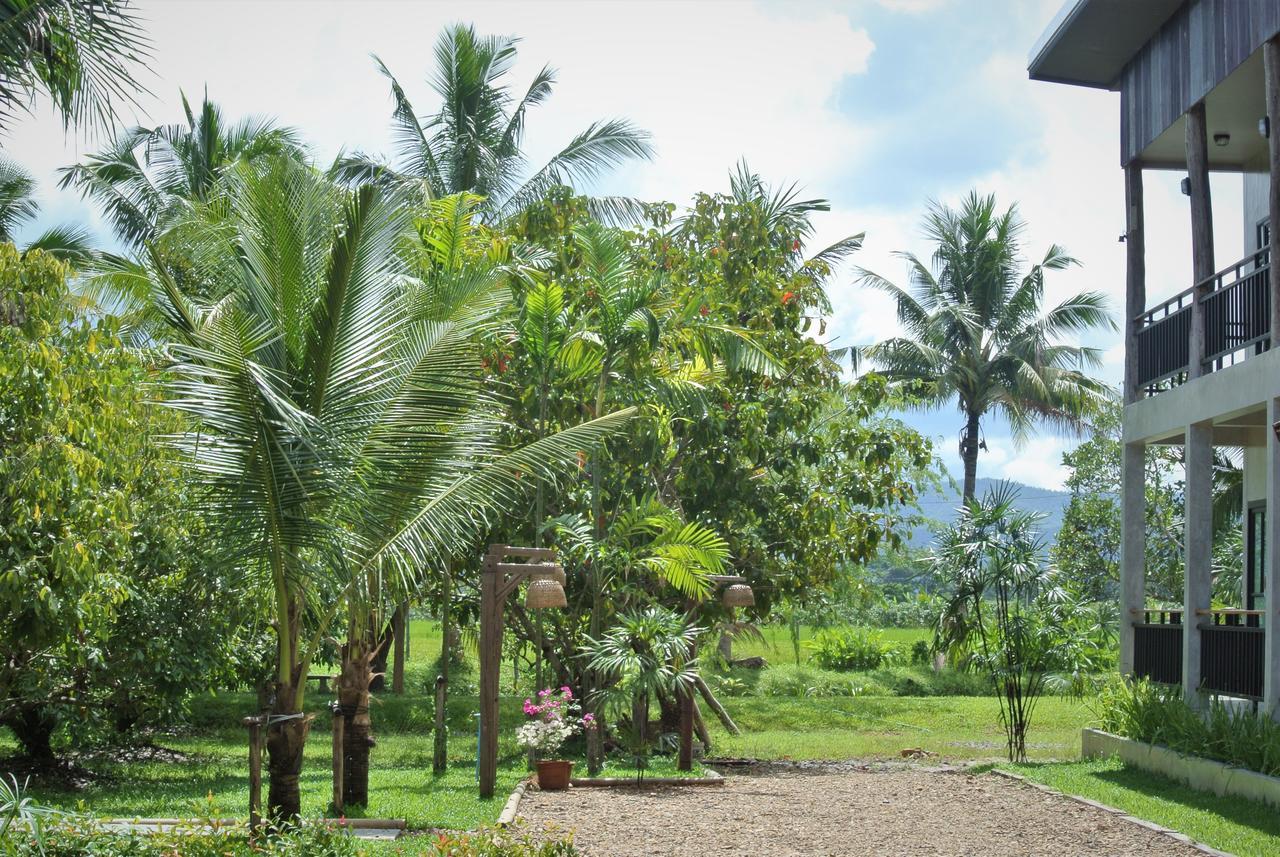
(1089, 42)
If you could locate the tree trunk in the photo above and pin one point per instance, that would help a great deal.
(357, 734)
(286, 739)
(399, 636)
(701, 684)
(33, 728)
(381, 654)
(969, 455)
(440, 754)
(725, 646)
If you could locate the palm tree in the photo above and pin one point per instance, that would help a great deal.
(345, 441)
(473, 142)
(146, 177)
(80, 53)
(18, 206)
(976, 332)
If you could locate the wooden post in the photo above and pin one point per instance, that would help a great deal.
(490, 667)
(1201, 229)
(397, 636)
(440, 759)
(339, 723)
(1198, 550)
(685, 762)
(1271, 72)
(1135, 277)
(255, 772)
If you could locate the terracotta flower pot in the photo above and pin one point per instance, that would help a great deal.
(553, 774)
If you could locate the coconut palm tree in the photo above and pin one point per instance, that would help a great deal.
(146, 177)
(18, 206)
(976, 332)
(345, 441)
(473, 142)
(80, 53)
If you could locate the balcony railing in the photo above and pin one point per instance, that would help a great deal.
(1235, 309)
(1232, 650)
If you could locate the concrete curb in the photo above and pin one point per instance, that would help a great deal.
(1141, 822)
(1202, 774)
(712, 778)
(512, 806)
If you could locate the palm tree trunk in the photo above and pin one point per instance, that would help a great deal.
(595, 737)
(357, 734)
(969, 455)
(287, 726)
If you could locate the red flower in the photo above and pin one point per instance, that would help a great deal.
(704, 312)
(787, 296)
(795, 245)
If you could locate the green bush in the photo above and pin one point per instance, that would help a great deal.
(1157, 714)
(924, 681)
(791, 680)
(853, 649)
(921, 653)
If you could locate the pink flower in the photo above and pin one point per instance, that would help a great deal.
(543, 694)
(568, 694)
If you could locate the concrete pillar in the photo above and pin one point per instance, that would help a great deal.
(1201, 229)
(1271, 76)
(1135, 277)
(1198, 550)
(1133, 547)
(1271, 662)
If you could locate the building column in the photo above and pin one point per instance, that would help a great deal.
(1271, 568)
(1135, 278)
(1133, 547)
(1271, 73)
(1198, 550)
(1201, 229)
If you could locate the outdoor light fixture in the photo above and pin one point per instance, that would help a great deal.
(1221, 139)
(543, 593)
(1264, 126)
(738, 595)
(1276, 428)
(1186, 186)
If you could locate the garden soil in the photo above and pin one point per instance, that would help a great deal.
(893, 810)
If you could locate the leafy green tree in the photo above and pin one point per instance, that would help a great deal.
(105, 564)
(82, 54)
(147, 177)
(473, 143)
(976, 332)
(345, 438)
(1087, 550)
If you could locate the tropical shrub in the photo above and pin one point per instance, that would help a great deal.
(80, 837)
(1157, 714)
(853, 649)
(792, 680)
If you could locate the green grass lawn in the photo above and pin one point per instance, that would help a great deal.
(954, 727)
(1239, 826)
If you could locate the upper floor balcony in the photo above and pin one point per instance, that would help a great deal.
(1225, 317)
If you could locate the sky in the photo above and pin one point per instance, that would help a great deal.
(876, 105)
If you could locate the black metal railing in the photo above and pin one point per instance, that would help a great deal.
(1157, 646)
(1235, 306)
(1231, 659)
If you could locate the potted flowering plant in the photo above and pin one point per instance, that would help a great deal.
(552, 719)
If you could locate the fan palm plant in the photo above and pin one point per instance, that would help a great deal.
(473, 143)
(344, 439)
(647, 654)
(18, 207)
(80, 53)
(146, 176)
(976, 331)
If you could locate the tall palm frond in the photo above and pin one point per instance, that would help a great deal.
(82, 54)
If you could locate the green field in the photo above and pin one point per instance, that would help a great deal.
(776, 648)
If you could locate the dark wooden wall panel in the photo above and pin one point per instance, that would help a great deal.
(1193, 52)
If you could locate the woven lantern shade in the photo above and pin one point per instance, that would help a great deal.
(544, 593)
(552, 572)
(738, 595)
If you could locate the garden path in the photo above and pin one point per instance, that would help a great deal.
(895, 811)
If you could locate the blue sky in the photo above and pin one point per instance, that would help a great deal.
(878, 105)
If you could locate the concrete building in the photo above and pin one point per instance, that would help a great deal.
(1199, 84)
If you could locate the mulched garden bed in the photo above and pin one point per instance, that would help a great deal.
(855, 808)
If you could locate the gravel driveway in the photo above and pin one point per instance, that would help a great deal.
(895, 812)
